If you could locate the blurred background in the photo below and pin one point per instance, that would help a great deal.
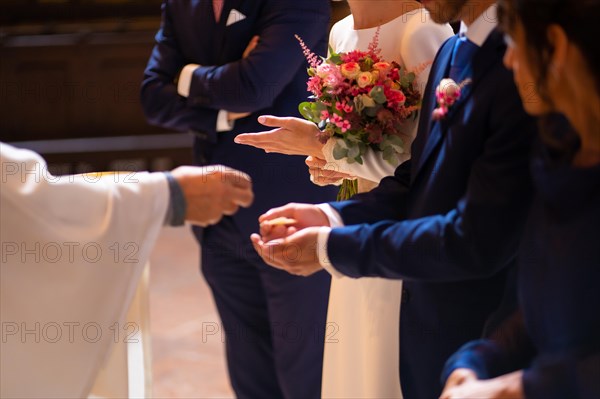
(70, 72)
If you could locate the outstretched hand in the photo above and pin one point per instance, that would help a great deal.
(296, 254)
(291, 246)
(303, 215)
(291, 136)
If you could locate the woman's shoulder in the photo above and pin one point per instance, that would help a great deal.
(418, 24)
(343, 26)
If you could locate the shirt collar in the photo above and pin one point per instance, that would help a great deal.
(481, 28)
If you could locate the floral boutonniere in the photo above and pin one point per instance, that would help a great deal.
(447, 94)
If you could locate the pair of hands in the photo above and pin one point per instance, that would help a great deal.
(212, 192)
(291, 247)
(464, 384)
(294, 136)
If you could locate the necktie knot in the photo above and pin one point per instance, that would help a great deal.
(461, 56)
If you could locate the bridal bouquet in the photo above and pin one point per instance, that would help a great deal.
(362, 99)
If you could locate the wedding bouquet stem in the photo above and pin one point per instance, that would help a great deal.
(348, 189)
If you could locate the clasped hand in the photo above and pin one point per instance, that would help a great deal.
(291, 247)
(464, 384)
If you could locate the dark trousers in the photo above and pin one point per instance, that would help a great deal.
(274, 322)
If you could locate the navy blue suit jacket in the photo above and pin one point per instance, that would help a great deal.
(556, 336)
(271, 80)
(449, 222)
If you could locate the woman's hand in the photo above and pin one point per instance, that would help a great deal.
(323, 173)
(292, 136)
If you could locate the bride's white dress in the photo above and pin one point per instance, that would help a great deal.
(361, 358)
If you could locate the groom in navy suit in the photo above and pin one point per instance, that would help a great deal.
(215, 67)
(449, 221)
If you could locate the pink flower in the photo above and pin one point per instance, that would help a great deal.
(324, 115)
(337, 120)
(394, 97)
(326, 69)
(447, 92)
(353, 56)
(439, 113)
(343, 106)
(382, 66)
(331, 76)
(350, 70)
(311, 57)
(314, 85)
(364, 79)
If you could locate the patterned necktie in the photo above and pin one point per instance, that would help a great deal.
(461, 56)
(217, 8)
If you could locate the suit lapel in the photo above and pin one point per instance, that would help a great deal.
(429, 132)
(222, 39)
(487, 56)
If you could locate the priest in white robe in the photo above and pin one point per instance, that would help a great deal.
(72, 251)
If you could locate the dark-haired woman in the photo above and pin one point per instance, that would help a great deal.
(551, 347)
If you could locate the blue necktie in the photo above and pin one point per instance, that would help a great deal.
(461, 56)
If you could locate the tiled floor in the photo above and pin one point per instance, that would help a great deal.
(187, 347)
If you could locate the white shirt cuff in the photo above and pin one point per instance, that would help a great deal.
(324, 261)
(335, 220)
(223, 123)
(185, 79)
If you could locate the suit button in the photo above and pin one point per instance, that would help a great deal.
(405, 296)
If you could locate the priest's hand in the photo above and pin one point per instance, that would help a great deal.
(297, 253)
(213, 191)
(292, 136)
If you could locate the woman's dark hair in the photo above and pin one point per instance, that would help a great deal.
(580, 19)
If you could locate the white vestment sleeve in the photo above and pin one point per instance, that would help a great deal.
(73, 249)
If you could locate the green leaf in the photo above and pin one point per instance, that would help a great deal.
(353, 151)
(395, 140)
(335, 59)
(372, 111)
(339, 152)
(392, 143)
(378, 95)
(389, 155)
(330, 49)
(308, 111)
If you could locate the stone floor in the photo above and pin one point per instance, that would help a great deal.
(187, 347)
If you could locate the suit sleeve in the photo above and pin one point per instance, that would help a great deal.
(245, 85)
(387, 201)
(548, 377)
(161, 103)
(563, 376)
(253, 83)
(508, 349)
(474, 240)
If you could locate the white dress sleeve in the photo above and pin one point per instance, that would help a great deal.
(74, 248)
(419, 45)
